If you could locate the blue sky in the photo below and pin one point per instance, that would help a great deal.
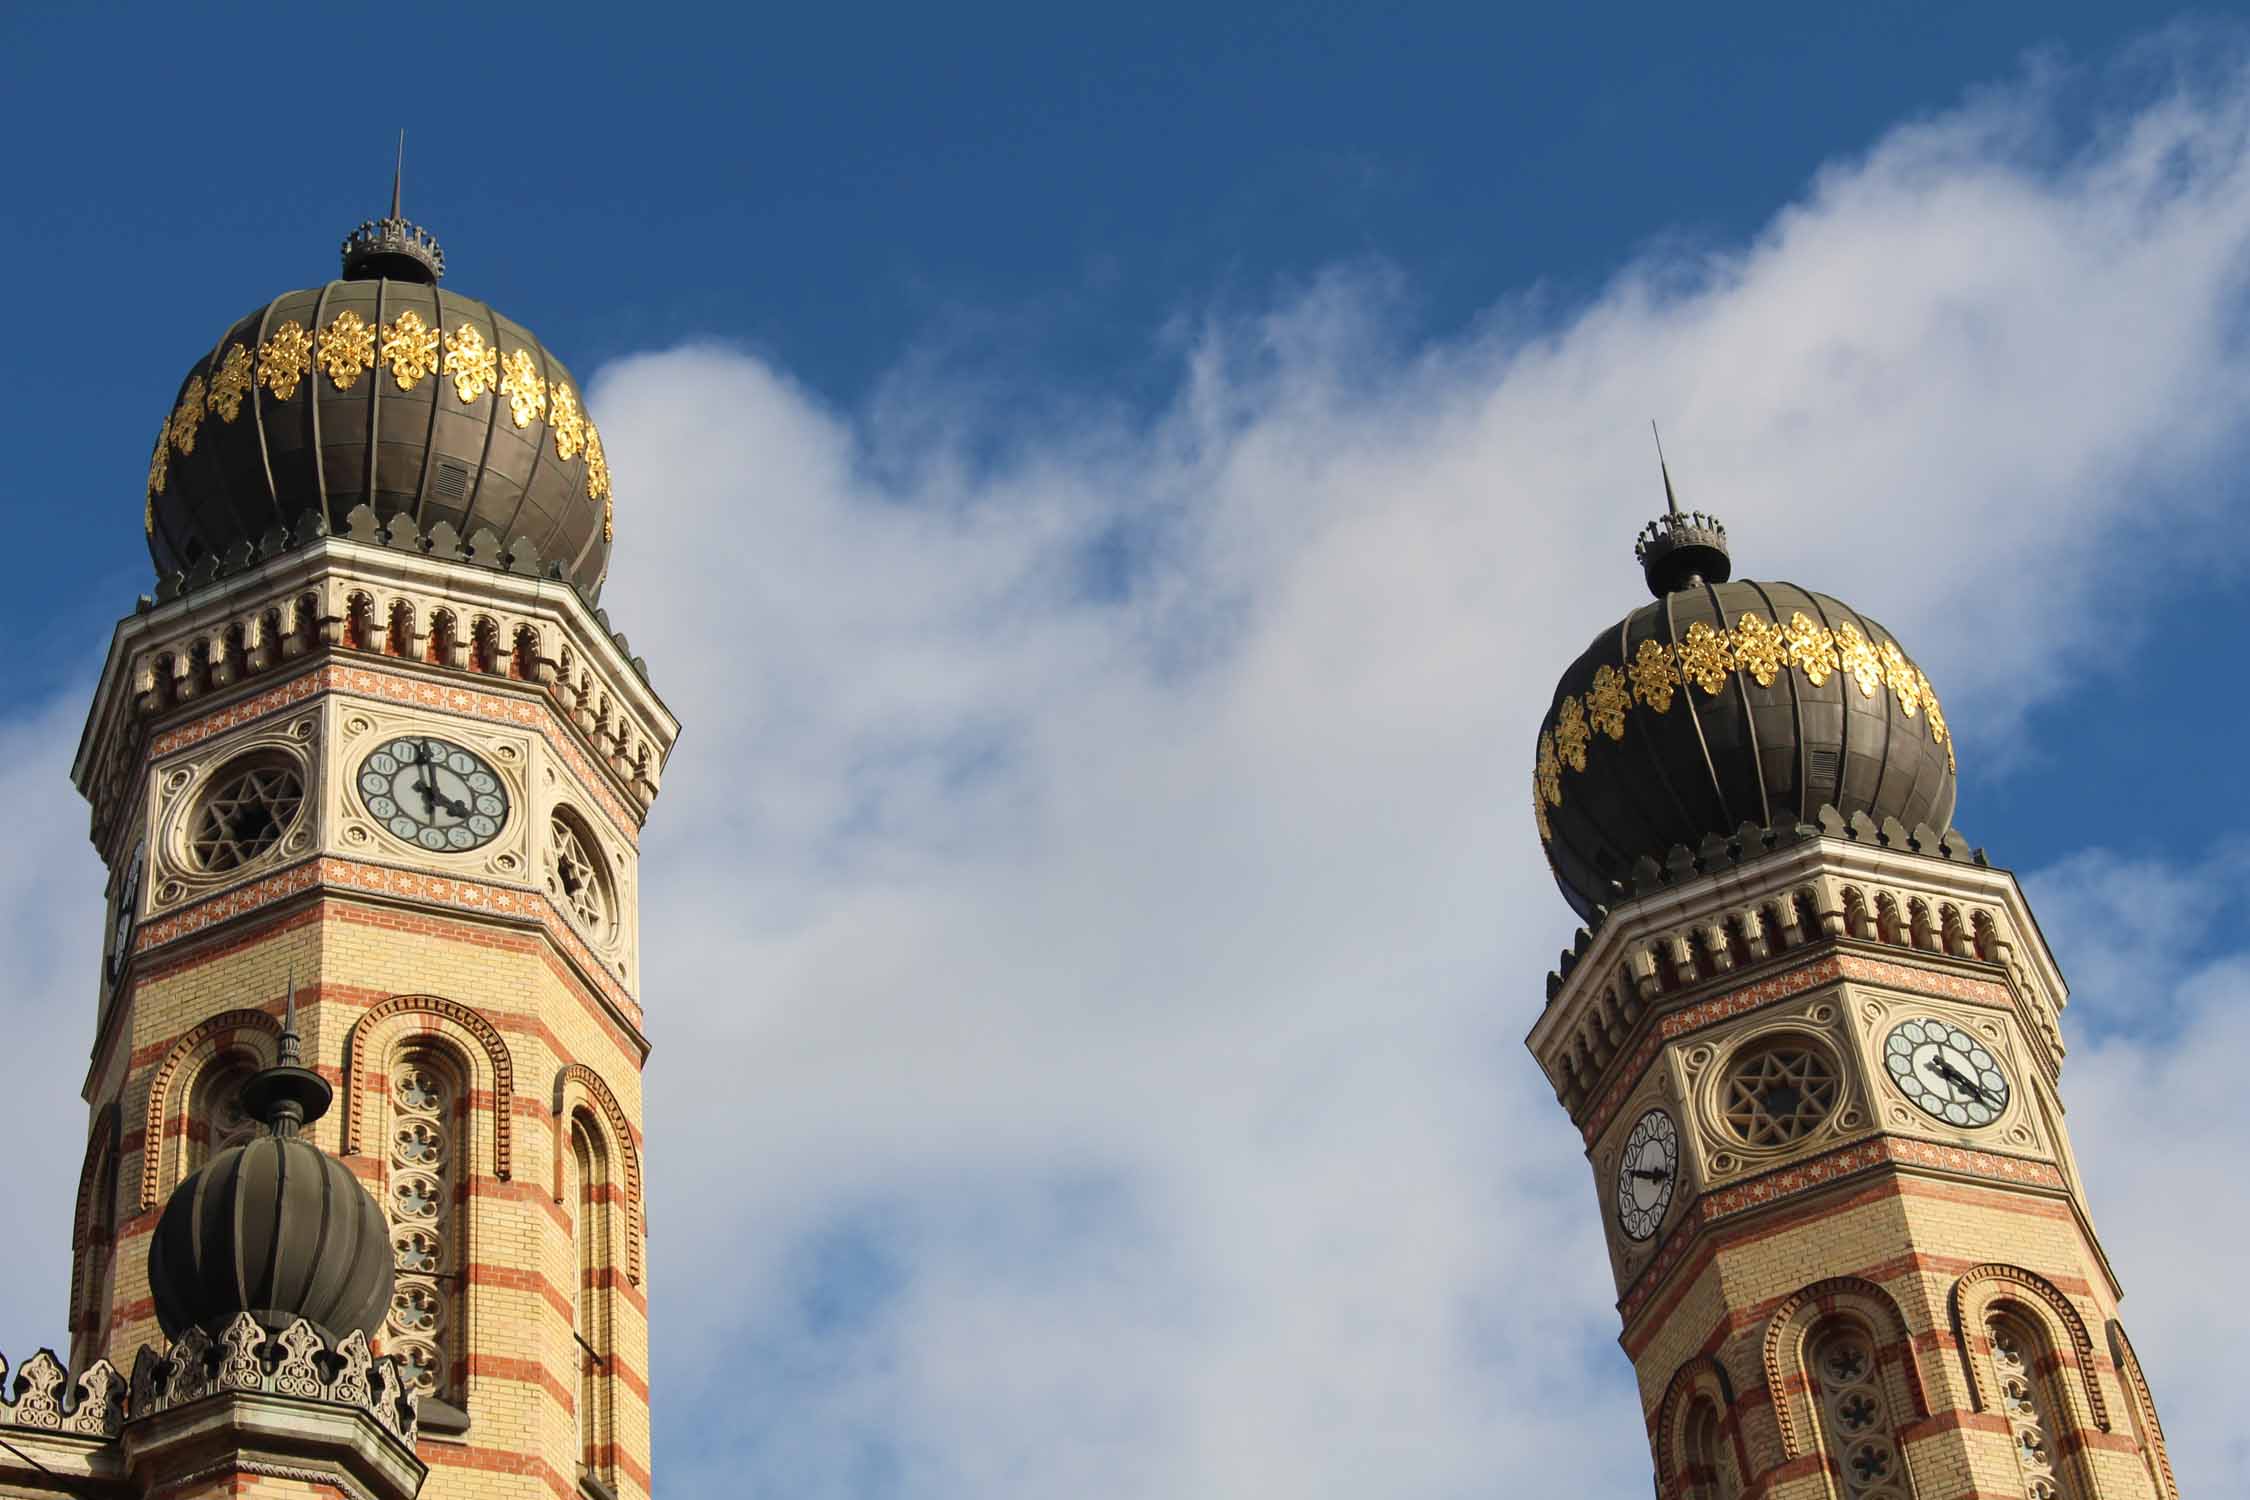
(1108, 494)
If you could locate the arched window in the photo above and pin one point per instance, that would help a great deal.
(1710, 1468)
(589, 1193)
(424, 1146)
(1856, 1420)
(2023, 1378)
(216, 1118)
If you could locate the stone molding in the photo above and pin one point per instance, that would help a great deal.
(359, 1076)
(2150, 1430)
(161, 1087)
(620, 1127)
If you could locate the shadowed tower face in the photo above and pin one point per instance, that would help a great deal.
(1811, 1041)
(371, 736)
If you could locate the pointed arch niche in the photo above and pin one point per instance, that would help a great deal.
(233, 1040)
(1699, 1452)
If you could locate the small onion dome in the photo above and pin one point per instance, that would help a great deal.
(1725, 703)
(381, 390)
(276, 1228)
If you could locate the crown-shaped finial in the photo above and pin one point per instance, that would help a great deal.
(391, 249)
(1680, 549)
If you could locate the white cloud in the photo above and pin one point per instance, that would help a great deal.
(1093, 916)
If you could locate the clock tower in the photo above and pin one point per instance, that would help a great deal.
(373, 740)
(1811, 1040)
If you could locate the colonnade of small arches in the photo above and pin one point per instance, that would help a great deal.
(1849, 1394)
(480, 642)
(1664, 964)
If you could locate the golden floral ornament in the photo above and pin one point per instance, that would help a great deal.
(1759, 648)
(159, 468)
(1654, 676)
(1929, 699)
(1900, 677)
(1570, 734)
(1856, 654)
(597, 481)
(229, 384)
(1812, 648)
(1539, 811)
(1705, 657)
(525, 389)
(1607, 701)
(188, 415)
(347, 349)
(284, 358)
(1547, 771)
(410, 348)
(566, 421)
(473, 364)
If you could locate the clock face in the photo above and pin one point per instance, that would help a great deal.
(1646, 1174)
(1947, 1072)
(433, 793)
(128, 911)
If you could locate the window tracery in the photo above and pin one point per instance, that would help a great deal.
(576, 878)
(1855, 1415)
(1779, 1093)
(424, 1149)
(2020, 1358)
(216, 1119)
(246, 812)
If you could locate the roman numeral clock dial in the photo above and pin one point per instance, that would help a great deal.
(433, 793)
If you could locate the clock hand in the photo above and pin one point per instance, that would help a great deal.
(1646, 1174)
(1952, 1074)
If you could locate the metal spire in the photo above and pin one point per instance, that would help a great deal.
(398, 172)
(1671, 503)
(292, 1048)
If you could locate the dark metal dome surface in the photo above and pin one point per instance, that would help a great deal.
(276, 1228)
(1725, 703)
(381, 390)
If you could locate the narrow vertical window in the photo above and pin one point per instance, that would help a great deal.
(424, 1147)
(1710, 1471)
(216, 1118)
(2022, 1375)
(1855, 1415)
(590, 1312)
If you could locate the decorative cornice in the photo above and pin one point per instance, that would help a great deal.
(296, 1362)
(95, 1402)
(356, 877)
(1818, 1172)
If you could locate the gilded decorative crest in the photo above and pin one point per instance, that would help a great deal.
(1539, 811)
(1607, 701)
(473, 363)
(1654, 676)
(1929, 698)
(284, 358)
(1812, 648)
(1547, 773)
(1570, 734)
(597, 479)
(159, 468)
(188, 415)
(521, 383)
(230, 384)
(1706, 658)
(1856, 654)
(1759, 648)
(410, 348)
(566, 421)
(347, 349)
(1899, 676)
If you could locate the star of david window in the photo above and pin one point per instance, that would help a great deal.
(248, 809)
(1778, 1093)
(575, 877)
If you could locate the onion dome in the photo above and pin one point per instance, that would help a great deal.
(276, 1228)
(1725, 703)
(381, 390)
